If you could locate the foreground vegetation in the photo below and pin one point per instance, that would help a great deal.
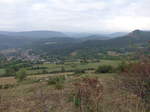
(126, 90)
(75, 86)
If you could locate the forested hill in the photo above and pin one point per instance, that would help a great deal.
(34, 34)
(135, 37)
(64, 46)
(70, 45)
(7, 42)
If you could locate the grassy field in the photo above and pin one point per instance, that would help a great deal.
(68, 66)
(59, 92)
(7, 80)
(12, 80)
(2, 71)
(38, 96)
(73, 66)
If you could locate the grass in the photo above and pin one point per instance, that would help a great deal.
(34, 93)
(7, 80)
(73, 66)
(38, 96)
(2, 71)
(68, 66)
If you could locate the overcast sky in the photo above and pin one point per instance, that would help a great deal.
(75, 15)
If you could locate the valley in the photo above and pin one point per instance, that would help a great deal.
(74, 56)
(46, 71)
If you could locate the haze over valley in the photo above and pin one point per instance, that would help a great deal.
(74, 56)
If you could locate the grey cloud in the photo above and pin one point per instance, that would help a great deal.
(74, 15)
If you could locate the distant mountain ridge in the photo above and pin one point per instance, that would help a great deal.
(35, 34)
(96, 46)
(95, 37)
(139, 34)
(7, 42)
(63, 46)
(117, 34)
(135, 37)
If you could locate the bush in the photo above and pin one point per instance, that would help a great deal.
(136, 79)
(6, 86)
(10, 71)
(1, 86)
(31, 81)
(88, 95)
(56, 80)
(122, 66)
(104, 69)
(63, 69)
(44, 71)
(79, 71)
(59, 85)
(21, 75)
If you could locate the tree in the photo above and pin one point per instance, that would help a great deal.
(10, 71)
(104, 69)
(21, 75)
(63, 69)
(84, 60)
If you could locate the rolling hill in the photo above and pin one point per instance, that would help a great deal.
(117, 34)
(64, 46)
(7, 42)
(35, 34)
(136, 37)
(95, 37)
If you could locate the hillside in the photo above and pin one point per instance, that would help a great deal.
(95, 37)
(12, 42)
(54, 46)
(92, 47)
(35, 34)
(117, 34)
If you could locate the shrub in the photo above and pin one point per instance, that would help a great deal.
(10, 71)
(21, 75)
(88, 95)
(6, 86)
(79, 71)
(104, 69)
(31, 81)
(59, 85)
(44, 71)
(63, 69)
(136, 79)
(56, 80)
(122, 66)
(1, 86)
